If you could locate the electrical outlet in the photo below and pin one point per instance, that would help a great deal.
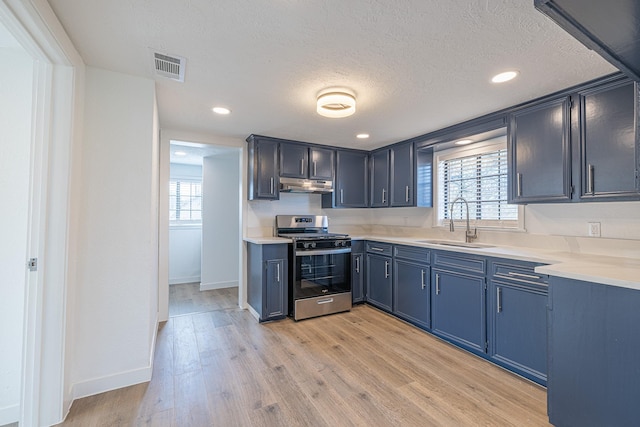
(594, 229)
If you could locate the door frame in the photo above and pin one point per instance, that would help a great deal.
(56, 118)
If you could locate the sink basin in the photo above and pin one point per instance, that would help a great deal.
(456, 244)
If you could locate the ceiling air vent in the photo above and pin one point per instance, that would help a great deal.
(169, 66)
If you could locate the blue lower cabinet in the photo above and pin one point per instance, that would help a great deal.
(518, 329)
(594, 354)
(267, 287)
(458, 309)
(379, 281)
(357, 277)
(411, 299)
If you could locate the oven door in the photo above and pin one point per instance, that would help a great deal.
(321, 272)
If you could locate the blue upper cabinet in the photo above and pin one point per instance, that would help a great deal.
(609, 142)
(351, 184)
(302, 161)
(263, 179)
(540, 153)
(380, 179)
(401, 173)
(611, 28)
(294, 160)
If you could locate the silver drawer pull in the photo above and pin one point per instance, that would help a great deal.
(373, 248)
(526, 276)
(386, 269)
(498, 300)
(406, 194)
(437, 284)
(422, 278)
(325, 301)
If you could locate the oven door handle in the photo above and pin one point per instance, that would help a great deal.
(324, 252)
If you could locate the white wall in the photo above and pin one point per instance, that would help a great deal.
(221, 233)
(185, 241)
(16, 83)
(116, 296)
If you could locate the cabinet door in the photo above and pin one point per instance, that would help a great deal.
(357, 277)
(380, 179)
(275, 289)
(294, 160)
(458, 309)
(267, 170)
(609, 142)
(351, 187)
(518, 329)
(321, 163)
(379, 279)
(411, 298)
(539, 153)
(402, 187)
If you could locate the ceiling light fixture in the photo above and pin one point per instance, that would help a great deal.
(504, 77)
(463, 142)
(336, 103)
(362, 136)
(221, 110)
(180, 153)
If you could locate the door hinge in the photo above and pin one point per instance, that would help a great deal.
(32, 264)
(573, 190)
(486, 346)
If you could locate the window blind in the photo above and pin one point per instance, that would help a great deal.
(185, 201)
(481, 179)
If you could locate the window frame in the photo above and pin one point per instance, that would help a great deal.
(477, 148)
(185, 222)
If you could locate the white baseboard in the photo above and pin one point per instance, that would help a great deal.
(111, 382)
(180, 280)
(9, 414)
(218, 285)
(253, 312)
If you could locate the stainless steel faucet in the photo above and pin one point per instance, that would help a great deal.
(468, 236)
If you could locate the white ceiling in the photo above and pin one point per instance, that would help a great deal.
(415, 65)
(194, 152)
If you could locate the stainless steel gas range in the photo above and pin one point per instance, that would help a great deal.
(320, 266)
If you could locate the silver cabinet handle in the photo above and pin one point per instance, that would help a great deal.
(358, 264)
(373, 248)
(519, 184)
(526, 276)
(437, 284)
(301, 166)
(341, 195)
(315, 168)
(278, 273)
(384, 199)
(590, 188)
(498, 300)
(406, 194)
(422, 278)
(386, 269)
(271, 186)
(325, 301)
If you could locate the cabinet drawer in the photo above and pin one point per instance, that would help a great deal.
(518, 273)
(464, 262)
(379, 248)
(413, 253)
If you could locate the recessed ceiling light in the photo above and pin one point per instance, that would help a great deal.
(180, 153)
(221, 110)
(336, 103)
(463, 142)
(504, 77)
(362, 136)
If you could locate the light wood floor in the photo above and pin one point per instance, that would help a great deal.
(362, 368)
(187, 298)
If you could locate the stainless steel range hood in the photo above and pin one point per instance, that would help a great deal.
(299, 185)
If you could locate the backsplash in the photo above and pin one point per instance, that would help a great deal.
(561, 227)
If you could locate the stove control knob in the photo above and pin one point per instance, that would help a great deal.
(336, 243)
(306, 245)
(344, 243)
(313, 244)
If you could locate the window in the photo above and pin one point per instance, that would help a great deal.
(478, 174)
(185, 201)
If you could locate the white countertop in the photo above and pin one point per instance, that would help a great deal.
(614, 271)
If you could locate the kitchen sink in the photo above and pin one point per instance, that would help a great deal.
(456, 244)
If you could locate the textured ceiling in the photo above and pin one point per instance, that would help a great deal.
(415, 65)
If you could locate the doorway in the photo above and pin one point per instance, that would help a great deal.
(204, 227)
